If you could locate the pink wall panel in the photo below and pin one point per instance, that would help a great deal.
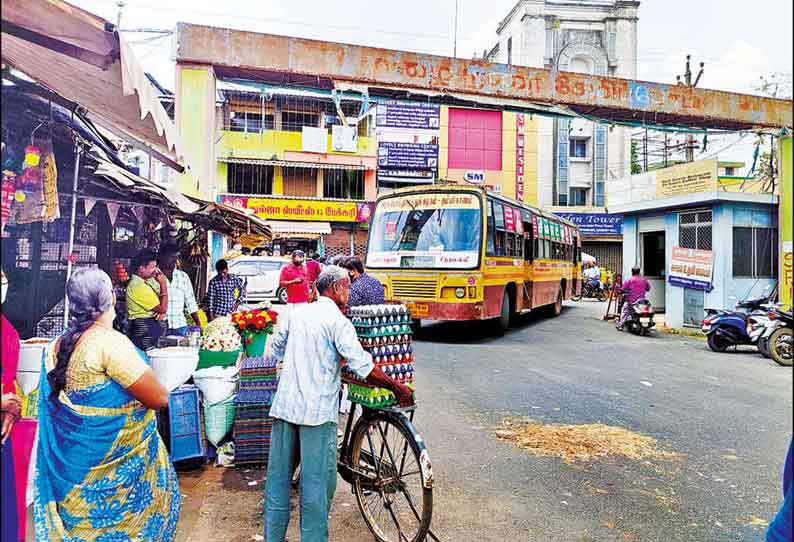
(475, 139)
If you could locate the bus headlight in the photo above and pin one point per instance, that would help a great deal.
(460, 293)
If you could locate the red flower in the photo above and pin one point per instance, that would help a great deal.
(249, 340)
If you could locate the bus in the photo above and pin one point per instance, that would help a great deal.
(456, 253)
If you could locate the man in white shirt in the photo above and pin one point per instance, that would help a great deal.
(181, 297)
(311, 341)
(593, 273)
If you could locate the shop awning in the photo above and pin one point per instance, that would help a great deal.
(286, 228)
(81, 57)
(205, 214)
(290, 163)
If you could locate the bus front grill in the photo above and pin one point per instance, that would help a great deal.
(414, 289)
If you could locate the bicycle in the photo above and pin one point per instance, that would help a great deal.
(384, 459)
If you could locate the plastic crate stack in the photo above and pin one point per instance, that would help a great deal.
(385, 332)
(185, 424)
(252, 423)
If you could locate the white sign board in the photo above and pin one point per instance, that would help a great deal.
(344, 138)
(314, 139)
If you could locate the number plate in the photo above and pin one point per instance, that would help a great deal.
(645, 321)
(418, 310)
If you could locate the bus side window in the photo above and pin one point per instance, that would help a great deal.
(529, 248)
(490, 246)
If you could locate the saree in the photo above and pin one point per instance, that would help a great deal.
(103, 472)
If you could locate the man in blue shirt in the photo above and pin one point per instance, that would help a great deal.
(782, 527)
(311, 341)
(365, 289)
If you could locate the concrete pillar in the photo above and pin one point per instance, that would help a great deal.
(195, 120)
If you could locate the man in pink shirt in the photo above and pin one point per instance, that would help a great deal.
(295, 278)
(633, 290)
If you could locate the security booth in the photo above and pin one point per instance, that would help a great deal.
(702, 250)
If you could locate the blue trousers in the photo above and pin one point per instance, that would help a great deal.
(315, 447)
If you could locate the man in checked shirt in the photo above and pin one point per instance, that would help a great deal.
(224, 292)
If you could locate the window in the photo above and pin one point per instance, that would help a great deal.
(243, 121)
(294, 121)
(490, 243)
(475, 139)
(299, 181)
(578, 196)
(510, 50)
(754, 252)
(249, 179)
(343, 184)
(730, 171)
(694, 230)
(578, 147)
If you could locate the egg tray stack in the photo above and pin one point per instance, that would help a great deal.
(385, 332)
(252, 422)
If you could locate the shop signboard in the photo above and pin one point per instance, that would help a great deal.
(520, 157)
(689, 178)
(302, 209)
(414, 115)
(394, 154)
(510, 223)
(596, 224)
(786, 221)
(691, 268)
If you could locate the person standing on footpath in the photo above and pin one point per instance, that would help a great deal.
(224, 292)
(311, 342)
(365, 289)
(181, 298)
(147, 301)
(313, 269)
(295, 278)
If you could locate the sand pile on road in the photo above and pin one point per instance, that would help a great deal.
(577, 442)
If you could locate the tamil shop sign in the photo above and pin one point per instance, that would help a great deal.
(302, 209)
(397, 155)
(689, 178)
(595, 224)
(415, 115)
(691, 268)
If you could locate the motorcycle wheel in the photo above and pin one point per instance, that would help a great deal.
(781, 347)
(634, 328)
(718, 343)
(601, 296)
(763, 347)
(577, 297)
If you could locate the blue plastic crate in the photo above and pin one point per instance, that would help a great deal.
(184, 415)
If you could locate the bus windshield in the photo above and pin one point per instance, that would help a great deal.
(426, 231)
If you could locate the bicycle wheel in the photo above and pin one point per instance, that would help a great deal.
(389, 488)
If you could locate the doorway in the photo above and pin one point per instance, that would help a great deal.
(652, 262)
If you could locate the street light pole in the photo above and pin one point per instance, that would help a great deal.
(690, 139)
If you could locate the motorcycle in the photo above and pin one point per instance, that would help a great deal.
(725, 328)
(778, 338)
(591, 289)
(640, 320)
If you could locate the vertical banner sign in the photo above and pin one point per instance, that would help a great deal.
(535, 226)
(510, 222)
(786, 221)
(520, 157)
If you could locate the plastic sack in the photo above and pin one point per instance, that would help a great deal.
(217, 383)
(225, 455)
(218, 421)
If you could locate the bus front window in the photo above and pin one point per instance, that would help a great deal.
(426, 232)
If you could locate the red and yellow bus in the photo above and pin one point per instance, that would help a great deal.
(455, 252)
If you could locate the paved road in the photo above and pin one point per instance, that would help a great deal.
(729, 416)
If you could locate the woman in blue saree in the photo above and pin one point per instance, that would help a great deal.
(103, 472)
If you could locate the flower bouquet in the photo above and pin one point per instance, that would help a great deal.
(254, 326)
(221, 344)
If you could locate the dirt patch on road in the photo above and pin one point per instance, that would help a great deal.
(578, 442)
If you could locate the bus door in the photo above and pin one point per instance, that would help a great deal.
(529, 258)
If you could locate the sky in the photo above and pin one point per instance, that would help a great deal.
(738, 40)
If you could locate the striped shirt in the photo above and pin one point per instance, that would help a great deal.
(181, 299)
(310, 341)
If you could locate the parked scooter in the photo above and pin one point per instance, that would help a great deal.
(640, 320)
(725, 328)
(778, 338)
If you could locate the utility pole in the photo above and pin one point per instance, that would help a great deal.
(455, 33)
(690, 139)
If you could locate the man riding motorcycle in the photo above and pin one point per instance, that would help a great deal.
(632, 290)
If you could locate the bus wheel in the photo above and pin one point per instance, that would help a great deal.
(416, 325)
(556, 308)
(503, 322)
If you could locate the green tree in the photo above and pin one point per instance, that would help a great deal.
(775, 85)
(636, 167)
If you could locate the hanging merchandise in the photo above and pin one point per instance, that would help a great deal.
(89, 204)
(9, 187)
(50, 182)
(30, 188)
(113, 212)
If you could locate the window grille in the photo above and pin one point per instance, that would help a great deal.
(694, 230)
(343, 184)
(249, 179)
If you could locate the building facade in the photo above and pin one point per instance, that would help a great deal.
(304, 160)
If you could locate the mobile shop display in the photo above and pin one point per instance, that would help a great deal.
(385, 332)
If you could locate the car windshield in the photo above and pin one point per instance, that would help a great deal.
(434, 230)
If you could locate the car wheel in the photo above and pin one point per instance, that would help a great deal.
(282, 295)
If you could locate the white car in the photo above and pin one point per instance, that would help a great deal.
(261, 275)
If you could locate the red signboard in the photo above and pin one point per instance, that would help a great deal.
(520, 157)
(510, 221)
(535, 226)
